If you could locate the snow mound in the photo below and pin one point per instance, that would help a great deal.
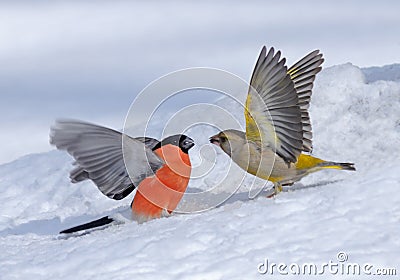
(385, 73)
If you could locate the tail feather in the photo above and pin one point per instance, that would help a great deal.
(338, 165)
(97, 223)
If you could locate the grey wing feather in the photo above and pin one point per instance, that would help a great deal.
(79, 174)
(303, 75)
(281, 110)
(149, 142)
(99, 156)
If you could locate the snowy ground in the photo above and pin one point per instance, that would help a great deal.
(356, 118)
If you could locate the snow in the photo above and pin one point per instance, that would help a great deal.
(355, 117)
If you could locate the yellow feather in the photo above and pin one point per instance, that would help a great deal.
(258, 127)
(252, 131)
(306, 161)
(332, 167)
(292, 73)
(275, 179)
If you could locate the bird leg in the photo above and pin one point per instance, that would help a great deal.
(277, 189)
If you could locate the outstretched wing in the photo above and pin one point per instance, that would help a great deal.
(79, 174)
(303, 75)
(98, 151)
(273, 116)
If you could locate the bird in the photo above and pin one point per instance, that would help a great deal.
(160, 170)
(277, 143)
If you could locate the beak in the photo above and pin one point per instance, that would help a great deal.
(215, 140)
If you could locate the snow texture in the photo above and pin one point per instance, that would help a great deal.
(356, 118)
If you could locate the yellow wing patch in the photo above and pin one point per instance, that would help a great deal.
(261, 130)
(252, 131)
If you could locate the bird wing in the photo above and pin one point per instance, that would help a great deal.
(149, 142)
(79, 174)
(98, 151)
(273, 116)
(303, 75)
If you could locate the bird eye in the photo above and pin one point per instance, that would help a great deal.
(223, 139)
(187, 143)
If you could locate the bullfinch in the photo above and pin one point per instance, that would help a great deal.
(160, 170)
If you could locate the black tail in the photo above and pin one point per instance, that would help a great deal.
(347, 166)
(97, 223)
(337, 165)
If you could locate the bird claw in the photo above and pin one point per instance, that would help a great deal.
(277, 188)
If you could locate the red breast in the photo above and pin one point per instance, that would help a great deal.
(165, 189)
